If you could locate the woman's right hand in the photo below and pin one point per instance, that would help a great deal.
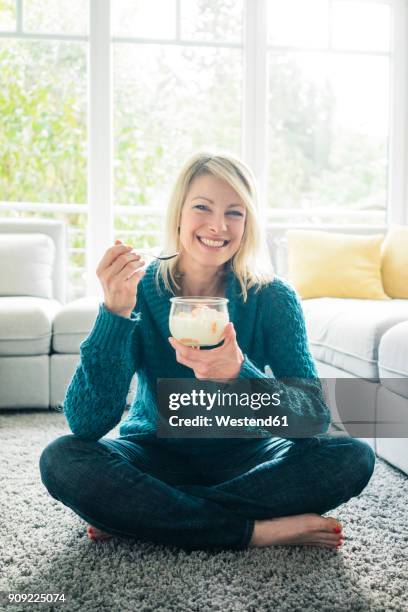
(119, 274)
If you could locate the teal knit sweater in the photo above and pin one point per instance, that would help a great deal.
(270, 332)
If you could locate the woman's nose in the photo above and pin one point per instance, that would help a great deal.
(218, 225)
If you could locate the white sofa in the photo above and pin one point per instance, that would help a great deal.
(361, 350)
(361, 340)
(32, 291)
(367, 341)
(40, 333)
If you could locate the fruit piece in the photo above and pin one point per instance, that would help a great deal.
(214, 327)
(196, 311)
(189, 341)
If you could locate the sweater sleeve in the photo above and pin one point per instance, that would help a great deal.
(96, 396)
(287, 354)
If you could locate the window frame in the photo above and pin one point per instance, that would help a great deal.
(397, 182)
(254, 142)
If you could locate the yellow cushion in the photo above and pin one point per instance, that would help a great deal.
(395, 262)
(326, 264)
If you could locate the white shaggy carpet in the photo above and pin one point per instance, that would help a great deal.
(44, 549)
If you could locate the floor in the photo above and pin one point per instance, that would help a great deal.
(44, 549)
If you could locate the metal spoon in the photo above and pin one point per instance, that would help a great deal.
(164, 257)
(161, 257)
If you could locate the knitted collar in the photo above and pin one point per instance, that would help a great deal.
(159, 303)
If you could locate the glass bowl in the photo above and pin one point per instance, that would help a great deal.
(198, 321)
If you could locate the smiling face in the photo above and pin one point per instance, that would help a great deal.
(212, 221)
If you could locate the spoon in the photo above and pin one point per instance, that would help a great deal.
(161, 257)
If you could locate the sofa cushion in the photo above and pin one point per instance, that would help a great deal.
(394, 265)
(26, 325)
(73, 324)
(346, 333)
(393, 359)
(327, 264)
(26, 265)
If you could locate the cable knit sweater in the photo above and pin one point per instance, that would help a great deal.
(270, 332)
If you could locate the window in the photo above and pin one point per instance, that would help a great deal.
(177, 84)
(43, 105)
(102, 102)
(329, 74)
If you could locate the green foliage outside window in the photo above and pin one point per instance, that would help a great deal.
(170, 101)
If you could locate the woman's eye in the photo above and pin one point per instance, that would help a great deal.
(201, 206)
(236, 213)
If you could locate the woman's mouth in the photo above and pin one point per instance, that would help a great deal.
(212, 245)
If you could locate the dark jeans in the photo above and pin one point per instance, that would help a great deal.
(201, 494)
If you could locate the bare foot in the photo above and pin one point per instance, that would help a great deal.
(96, 534)
(299, 530)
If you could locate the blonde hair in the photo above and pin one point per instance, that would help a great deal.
(251, 264)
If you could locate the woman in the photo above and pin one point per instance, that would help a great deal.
(200, 493)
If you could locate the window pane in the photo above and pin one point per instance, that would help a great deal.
(169, 102)
(361, 26)
(212, 20)
(297, 23)
(143, 231)
(56, 17)
(7, 15)
(144, 18)
(43, 130)
(328, 129)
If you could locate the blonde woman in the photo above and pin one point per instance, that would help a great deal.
(201, 493)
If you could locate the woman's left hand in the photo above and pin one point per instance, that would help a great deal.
(223, 362)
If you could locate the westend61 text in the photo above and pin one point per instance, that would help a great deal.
(222, 399)
(227, 421)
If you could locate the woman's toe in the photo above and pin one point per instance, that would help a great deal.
(96, 534)
(333, 525)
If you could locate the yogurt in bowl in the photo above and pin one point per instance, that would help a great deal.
(198, 321)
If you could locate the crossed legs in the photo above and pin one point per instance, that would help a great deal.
(146, 491)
